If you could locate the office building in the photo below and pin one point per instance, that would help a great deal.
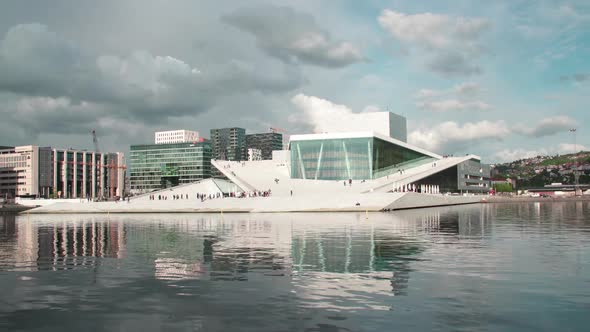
(157, 166)
(176, 136)
(32, 171)
(254, 154)
(265, 142)
(229, 144)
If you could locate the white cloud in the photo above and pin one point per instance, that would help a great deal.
(467, 89)
(450, 136)
(323, 115)
(568, 13)
(454, 105)
(291, 35)
(453, 42)
(461, 97)
(509, 155)
(371, 109)
(565, 148)
(432, 31)
(547, 126)
(533, 31)
(428, 93)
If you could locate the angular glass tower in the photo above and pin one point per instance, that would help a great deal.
(356, 156)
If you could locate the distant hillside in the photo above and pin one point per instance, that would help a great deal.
(542, 170)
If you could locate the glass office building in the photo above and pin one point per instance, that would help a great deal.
(265, 142)
(229, 144)
(157, 166)
(356, 158)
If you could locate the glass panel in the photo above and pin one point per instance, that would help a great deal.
(177, 163)
(388, 158)
(350, 158)
(340, 159)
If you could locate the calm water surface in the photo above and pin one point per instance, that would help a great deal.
(520, 267)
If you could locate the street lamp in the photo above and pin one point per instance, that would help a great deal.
(576, 175)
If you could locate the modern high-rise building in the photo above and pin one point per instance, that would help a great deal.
(176, 136)
(254, 154)
(157, 166)
(229, 144)
(265, 142)
(33, 171)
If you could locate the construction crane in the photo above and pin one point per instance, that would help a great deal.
(95, 141)
(98, 165)
(277, 130)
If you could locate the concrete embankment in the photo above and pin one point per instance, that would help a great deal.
(347, 202)
(417, 201)
(13, 208)
(524, 199)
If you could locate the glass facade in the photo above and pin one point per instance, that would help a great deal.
(160, 166)
(265, 142)
(229, 144)
(350, 158)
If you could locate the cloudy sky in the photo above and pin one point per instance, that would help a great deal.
(503, 79)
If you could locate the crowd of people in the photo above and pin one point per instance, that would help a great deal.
(420, 188)
(203, 197)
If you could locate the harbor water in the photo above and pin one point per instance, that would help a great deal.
(482, 267)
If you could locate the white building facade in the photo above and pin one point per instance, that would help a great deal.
(176, 136)
(19, 171)
(384, 123)
(32, 171)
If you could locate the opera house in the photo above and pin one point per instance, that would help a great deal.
(364, 164)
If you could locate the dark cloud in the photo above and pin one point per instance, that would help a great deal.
(579, 77)
(290, 35)
(453, 64)
(451, 44)
(37, 62)
(34, 60)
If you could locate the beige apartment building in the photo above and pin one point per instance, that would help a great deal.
(33, 171)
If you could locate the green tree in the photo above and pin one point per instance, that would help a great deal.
(503, 187)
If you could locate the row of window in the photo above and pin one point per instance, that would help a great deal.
(12, 164)
(13, 158)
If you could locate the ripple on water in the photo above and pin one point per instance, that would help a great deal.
(479, 267)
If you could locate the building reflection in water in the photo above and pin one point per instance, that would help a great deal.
(61, 245)
(222, 250)
(364, 248)
(244, 247)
